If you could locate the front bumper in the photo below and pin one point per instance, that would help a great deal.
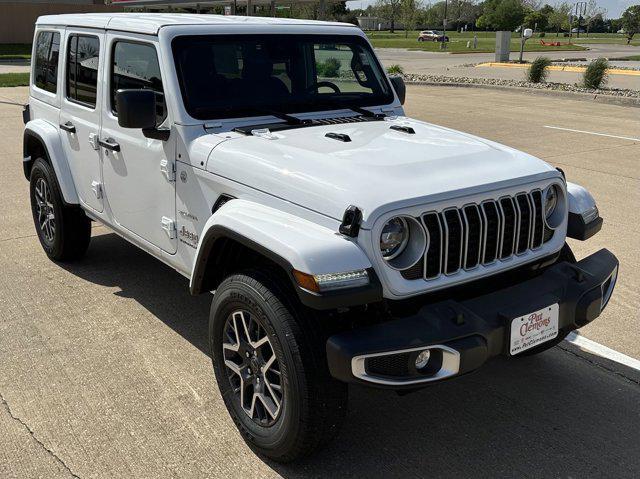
(462, 335)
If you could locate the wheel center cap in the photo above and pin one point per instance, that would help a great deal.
(255, 365)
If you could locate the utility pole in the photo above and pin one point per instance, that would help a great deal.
(581, 9)
(443, 46)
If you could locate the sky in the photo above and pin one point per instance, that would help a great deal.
(614, 7)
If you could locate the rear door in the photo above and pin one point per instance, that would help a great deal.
(80, 112)
(139, 178)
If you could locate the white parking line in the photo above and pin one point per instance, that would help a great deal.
(592, 133)
(602, 351)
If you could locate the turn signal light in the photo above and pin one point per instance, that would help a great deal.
(331, 281)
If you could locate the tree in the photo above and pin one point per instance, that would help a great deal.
(559, 18)
(389, 10)
(503, 14)
(408, 15)
(631, 22)
(462, 12)
(594, 14)
(535, 19)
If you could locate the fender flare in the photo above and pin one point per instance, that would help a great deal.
(48, 136)
(584, 219)
(292, 243)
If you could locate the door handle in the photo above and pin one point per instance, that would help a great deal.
(68, 127)
(109, 144)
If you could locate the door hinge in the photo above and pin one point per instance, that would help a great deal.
(93, 140)
(169, 226)
(168, 169)
(96, 187)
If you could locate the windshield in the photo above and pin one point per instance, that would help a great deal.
(223, 76)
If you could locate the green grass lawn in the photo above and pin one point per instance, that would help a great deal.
(15, 51)
(487, 42)
(14, 79)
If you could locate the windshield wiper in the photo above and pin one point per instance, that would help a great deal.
(290, 119)
(366, 113)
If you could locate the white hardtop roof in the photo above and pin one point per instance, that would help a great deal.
(151, 23)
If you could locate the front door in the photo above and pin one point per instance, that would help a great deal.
(138, 172)
(80, 113)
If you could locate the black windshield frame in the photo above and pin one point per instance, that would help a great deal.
(383, 97)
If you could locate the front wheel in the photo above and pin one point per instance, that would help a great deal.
(270, 367)
(64, 230)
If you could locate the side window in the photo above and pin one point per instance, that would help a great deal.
(82, 69)
(46, 62)
(135, 67)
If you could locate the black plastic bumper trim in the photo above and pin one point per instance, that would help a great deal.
(578, 229)
(479, 328)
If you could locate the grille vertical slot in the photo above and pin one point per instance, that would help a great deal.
(454, 233)
(538, 224)
(492, 228)
(473, 235)
(433, 258)
(510, 227)
(524, 207)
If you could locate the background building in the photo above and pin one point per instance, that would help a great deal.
(17, 17)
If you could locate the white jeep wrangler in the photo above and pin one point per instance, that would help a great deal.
(270, 162)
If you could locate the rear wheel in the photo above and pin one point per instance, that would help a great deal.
(270, 368)
(64, 231)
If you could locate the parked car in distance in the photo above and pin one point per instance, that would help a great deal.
(578, 30)
(343, 241)
(432, 36)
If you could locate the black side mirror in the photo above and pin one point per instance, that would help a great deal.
(136, 108)
(399, 87)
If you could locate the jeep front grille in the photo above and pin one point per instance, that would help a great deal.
(480, 234)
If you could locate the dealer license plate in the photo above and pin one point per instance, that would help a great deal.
(533, 329)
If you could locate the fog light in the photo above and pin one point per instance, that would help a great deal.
(423, 359)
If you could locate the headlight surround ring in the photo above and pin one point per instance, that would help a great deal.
(413, 246)
(555, 213)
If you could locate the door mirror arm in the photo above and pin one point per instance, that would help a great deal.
(399, 87)
(157, 133)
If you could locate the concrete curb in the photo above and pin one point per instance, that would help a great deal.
(608, 99)
(558, 68)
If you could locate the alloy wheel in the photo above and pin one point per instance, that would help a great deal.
(252, 368)
(45, 210)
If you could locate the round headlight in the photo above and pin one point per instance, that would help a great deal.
(550, 201)
(394, 237)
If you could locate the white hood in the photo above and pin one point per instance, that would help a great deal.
(378, 170)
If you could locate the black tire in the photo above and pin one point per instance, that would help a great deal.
(313, 405)
(66, 235)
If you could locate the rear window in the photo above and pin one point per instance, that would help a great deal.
(46, 61)
(82, 69)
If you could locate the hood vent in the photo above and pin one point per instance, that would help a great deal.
(403, 129)
(338, 136)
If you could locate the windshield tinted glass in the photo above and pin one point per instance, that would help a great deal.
(226, 76)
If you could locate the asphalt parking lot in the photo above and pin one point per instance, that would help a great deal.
(104, 370)
(461, 64)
